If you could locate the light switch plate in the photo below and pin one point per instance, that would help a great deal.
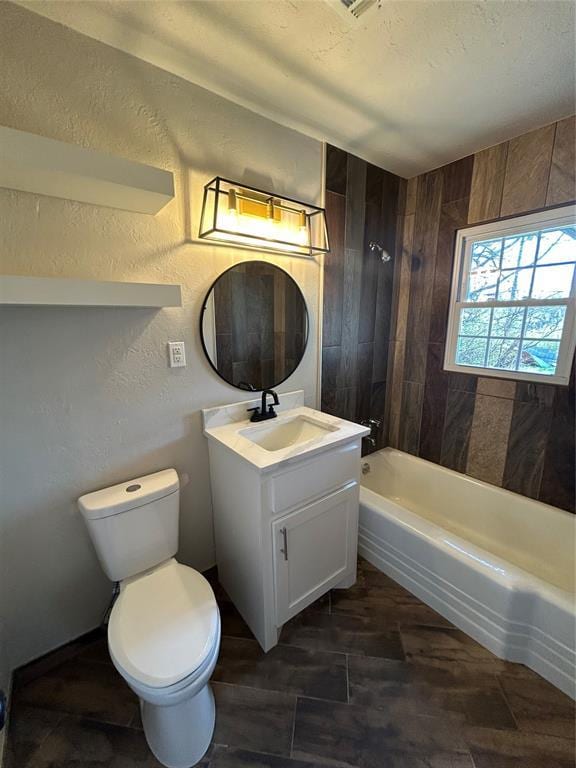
(177, 354)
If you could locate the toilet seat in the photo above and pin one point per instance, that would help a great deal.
(164, 625)
(184, 689)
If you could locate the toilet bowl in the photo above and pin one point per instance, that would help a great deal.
(164, 638)
(164, 628)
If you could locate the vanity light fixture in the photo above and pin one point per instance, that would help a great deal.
(252, 218)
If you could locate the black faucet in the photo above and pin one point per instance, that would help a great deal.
(263, 413)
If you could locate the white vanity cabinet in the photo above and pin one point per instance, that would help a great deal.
(314, 549)
(285, 522)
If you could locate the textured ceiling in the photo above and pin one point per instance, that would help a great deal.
(412, 85)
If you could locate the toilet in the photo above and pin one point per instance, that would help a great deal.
(164, 628)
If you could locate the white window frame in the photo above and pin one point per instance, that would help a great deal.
(465, 238)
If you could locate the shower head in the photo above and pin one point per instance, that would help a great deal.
(377, 248)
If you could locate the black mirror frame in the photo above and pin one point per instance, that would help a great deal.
(203, 310)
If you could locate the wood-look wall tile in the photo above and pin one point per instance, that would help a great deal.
(434, 405)
(411, 417)
(462, 382)
(364, 380)
(383, 436)
(432, 424)
(381, 357)
(379, 410)
(487, 183)
(396, 269)
(402, 274)
(426, 226)
(457, 179)
(415, 363)
(435, 363)
(386, 270)
(253, 346)
(334, 271)
(331, 367)
(240, 315)
(269, 370)
(496, 387)
(328, 401)
(453, 216)
(224, 355)
(336, 164)
(355, 203)
(562, 183)
(390, 205)
(369, 274)
(489, 438)
(427, 410)
(346, 400)
(380, 275)
(246, 371)
(401, 201)
(223, 304)
(352, 272)
(350, 316)
(394, 392)
(540, 394)
(378, 400)
(340, 402)
(411, 195)
(457, 427)
(374, 181)
(526, 448)
(382, 327)
(559, 474)
(358, 287)
(527, 171)
(267, 342)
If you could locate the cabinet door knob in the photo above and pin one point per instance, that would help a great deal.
(284, 551)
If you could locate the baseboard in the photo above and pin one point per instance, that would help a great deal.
(54, 657)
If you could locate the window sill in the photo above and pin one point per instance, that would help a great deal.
(536, 378)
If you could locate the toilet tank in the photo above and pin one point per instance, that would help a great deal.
(134, 525)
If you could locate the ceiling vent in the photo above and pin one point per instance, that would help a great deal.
(353, 10)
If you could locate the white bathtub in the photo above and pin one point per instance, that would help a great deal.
(498, 565)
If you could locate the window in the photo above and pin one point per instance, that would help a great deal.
(512, 308)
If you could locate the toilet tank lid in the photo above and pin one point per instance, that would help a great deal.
(128, 495)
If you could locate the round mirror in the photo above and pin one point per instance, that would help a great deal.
(254, 325)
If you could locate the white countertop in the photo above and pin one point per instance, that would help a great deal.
(229, 435)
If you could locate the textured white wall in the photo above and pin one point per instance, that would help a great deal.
(87, 398)
(410, 87)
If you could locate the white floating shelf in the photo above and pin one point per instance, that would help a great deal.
(67, 292)
(33, 163)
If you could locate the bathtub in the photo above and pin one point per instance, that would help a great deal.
(499, 566)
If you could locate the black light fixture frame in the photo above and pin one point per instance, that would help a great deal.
(310, 210)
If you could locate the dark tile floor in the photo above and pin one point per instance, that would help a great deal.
(369, 677)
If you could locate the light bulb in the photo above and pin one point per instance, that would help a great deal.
(302, 235)
(232, 214)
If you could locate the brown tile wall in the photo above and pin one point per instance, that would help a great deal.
(516, 435)
(260, 325)
(363, 203)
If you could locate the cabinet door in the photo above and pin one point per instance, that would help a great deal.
(314, 549)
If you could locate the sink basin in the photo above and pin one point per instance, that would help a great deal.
(297, 432)
(276, 436)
